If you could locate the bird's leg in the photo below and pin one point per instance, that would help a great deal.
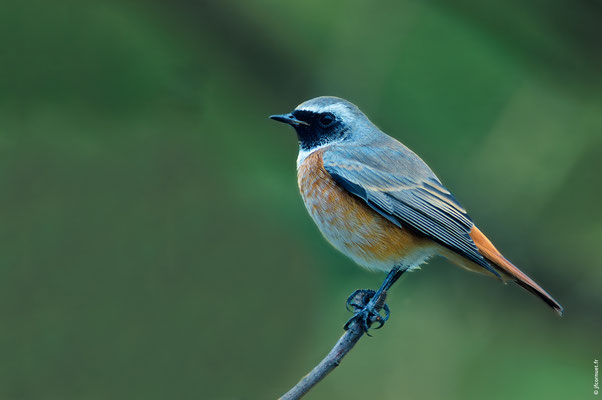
(367, 303)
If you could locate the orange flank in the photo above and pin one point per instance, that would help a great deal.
(351, 226)
(508, 270)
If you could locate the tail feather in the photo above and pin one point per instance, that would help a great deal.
(488, 250)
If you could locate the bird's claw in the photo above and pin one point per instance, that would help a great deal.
(365, 310)
(359, 299)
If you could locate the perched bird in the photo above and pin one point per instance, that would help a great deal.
(378, 203)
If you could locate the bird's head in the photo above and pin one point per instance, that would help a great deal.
(324, 120)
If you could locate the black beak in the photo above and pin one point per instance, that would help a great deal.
(288, 119)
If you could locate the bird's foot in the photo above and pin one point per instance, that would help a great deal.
(365, 310)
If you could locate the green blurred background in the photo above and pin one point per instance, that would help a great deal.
(154, 245)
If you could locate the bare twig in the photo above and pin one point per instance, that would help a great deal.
(335, 356)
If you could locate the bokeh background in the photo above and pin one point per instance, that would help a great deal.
(154, 245)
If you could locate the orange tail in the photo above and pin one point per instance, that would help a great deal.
(488, 250)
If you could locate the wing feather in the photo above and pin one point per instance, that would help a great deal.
(399, 186)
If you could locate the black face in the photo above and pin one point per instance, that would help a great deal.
(321, 128)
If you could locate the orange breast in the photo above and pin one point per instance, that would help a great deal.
(353, 227)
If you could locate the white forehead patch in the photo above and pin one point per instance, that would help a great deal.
(338, 109)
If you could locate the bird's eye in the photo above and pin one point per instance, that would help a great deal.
(326, 120)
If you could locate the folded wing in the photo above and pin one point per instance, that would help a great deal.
(397, 184)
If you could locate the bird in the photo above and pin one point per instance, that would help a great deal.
(380, 204)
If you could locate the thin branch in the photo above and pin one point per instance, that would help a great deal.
(346, 342)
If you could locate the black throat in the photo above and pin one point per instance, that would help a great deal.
(314, 135)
